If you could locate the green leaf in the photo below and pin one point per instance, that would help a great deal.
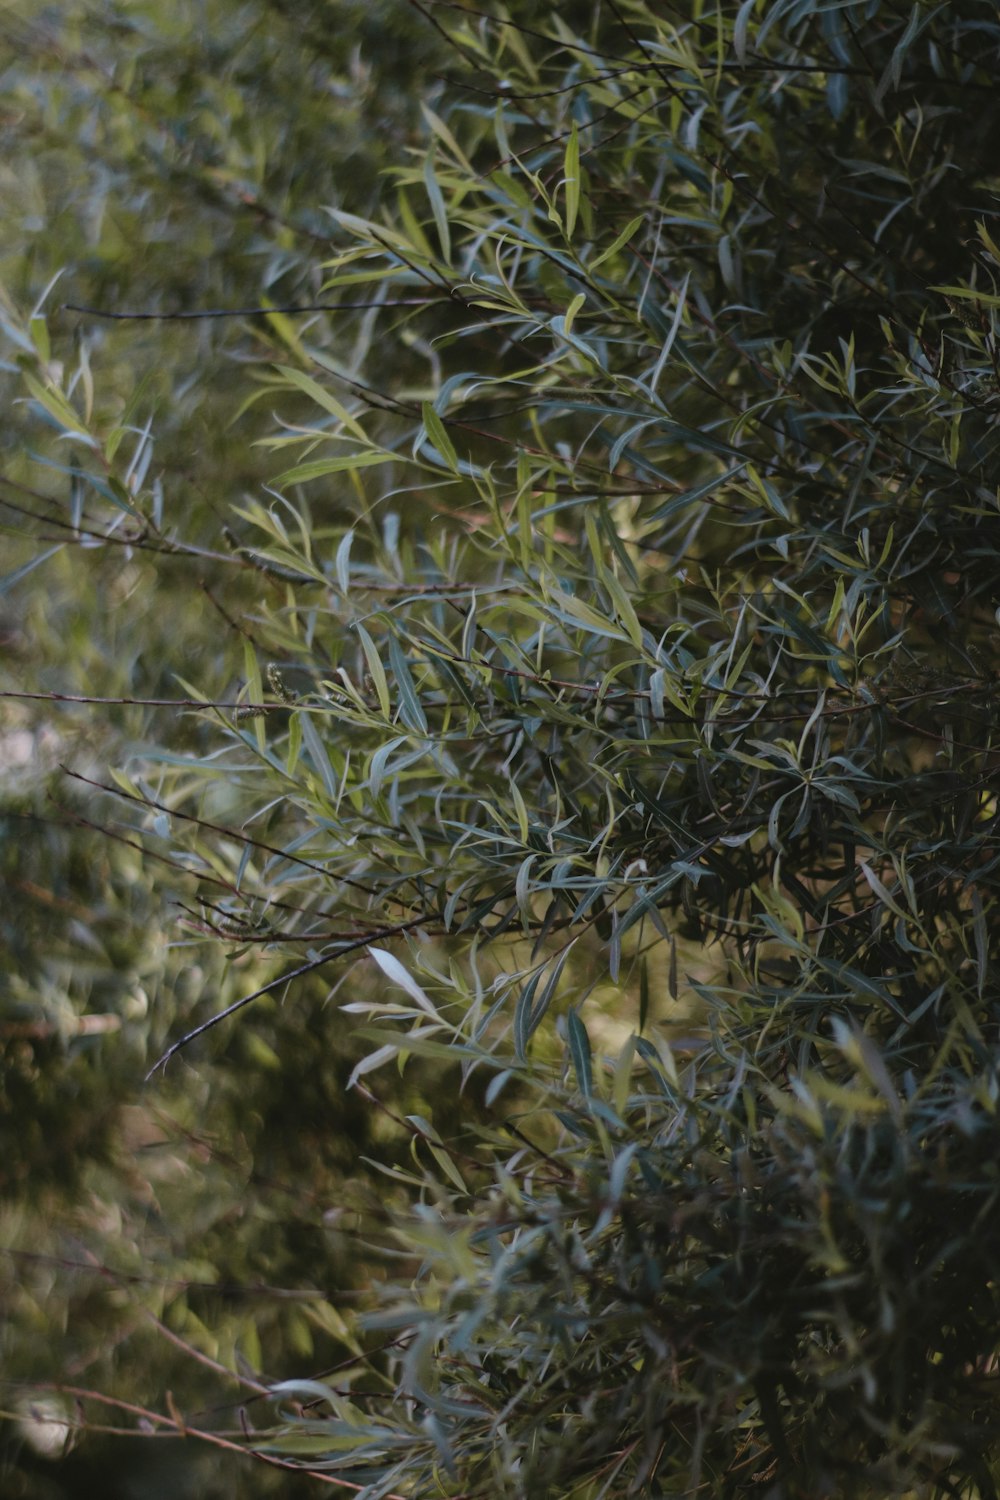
(11, 580)
(342, 562)
(39, 331)
(619, 242)
(579, 1050)
(376, 670)
(318, 753)
(294, 742)
(571, 180)
(436, 201)
(395, 972)
(409, 704)
(438, 435)
(320, 467)
(323, 398)
(58, 408)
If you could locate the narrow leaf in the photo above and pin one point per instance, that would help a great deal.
(437, 434)
(571, 171)
(395, 972)
(579, 1050)
(376, 670)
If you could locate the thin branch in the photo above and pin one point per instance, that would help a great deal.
(178, 1427)
(246, 312)
(214, 1365)
(140, 702)
(233, 833)
(274, 984)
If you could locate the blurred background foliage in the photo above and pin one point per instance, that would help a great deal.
(558, 690)
(170, 158)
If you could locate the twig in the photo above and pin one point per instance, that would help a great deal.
(273, 984)
(178, 1427)
(245, 312)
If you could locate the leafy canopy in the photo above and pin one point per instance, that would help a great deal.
(615, 644)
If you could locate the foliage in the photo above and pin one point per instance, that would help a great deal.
(200, 1203)
(614, 643)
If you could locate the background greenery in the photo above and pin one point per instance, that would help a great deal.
(562, 679)
(175, 157)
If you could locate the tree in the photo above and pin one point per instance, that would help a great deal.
(616, 722)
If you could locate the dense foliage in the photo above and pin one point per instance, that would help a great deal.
(605, 707)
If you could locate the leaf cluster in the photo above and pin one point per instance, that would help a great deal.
(613, 717)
